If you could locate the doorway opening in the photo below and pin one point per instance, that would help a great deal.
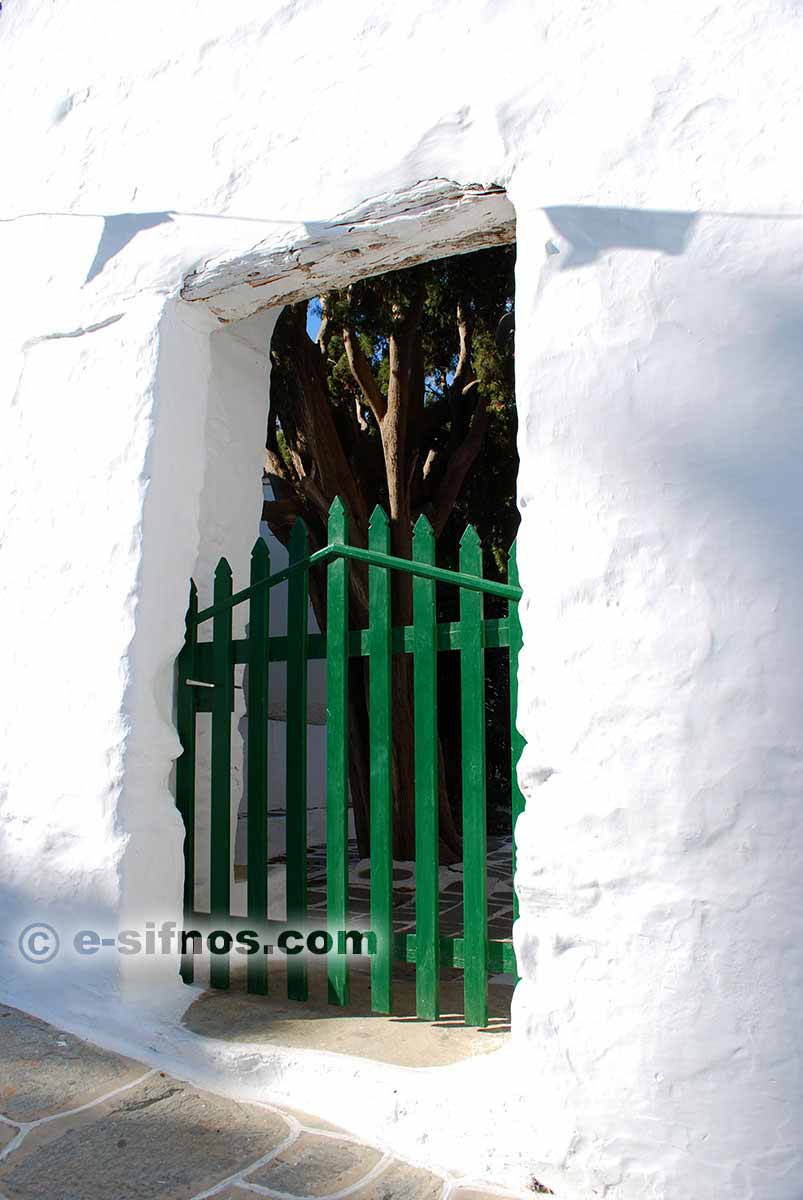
(392, 399)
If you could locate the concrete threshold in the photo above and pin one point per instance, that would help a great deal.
(401, 1039)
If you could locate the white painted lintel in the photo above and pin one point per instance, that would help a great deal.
(433, 219)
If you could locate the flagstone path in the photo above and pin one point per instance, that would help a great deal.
(81, 1123)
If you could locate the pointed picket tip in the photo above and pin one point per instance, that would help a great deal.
(223, 570)
(337, 528)
(260, 551)
(298, 534)
(379, 530)
(192, 606)
(423, 527)
(470, 538)
(512, 564)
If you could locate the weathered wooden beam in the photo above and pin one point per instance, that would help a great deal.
(434, 219)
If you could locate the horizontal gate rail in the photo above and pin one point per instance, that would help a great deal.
(496, 636)
(206, 685)
(373, 558)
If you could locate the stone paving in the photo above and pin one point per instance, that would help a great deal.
(80, 1123)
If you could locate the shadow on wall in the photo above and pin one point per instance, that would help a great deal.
(118, 230)
(591, 231)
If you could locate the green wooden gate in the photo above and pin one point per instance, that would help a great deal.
(206, 684)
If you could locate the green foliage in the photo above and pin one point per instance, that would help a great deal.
(483, 283)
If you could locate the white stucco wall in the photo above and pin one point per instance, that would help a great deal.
(650, 152)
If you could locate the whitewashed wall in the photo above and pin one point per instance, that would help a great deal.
(651, 153)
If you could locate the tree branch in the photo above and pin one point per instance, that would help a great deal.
(400, 354)
(394, 442)
(363, 375)
(429, 464)
(465, 332)
(358, 412)
(275, 463)
(314, 440)
(459, 463)
(326, 329)
(280, 516)
(312, 492)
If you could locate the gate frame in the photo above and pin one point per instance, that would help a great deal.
(205, 684)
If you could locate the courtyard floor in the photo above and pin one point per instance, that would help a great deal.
(81, 1123)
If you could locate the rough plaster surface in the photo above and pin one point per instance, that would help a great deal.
(650, 152)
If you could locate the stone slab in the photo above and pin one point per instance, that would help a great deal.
(470, 1193)
(402, 1182)
(316, 1166)
(43, 1070)
(160, 1140)
(7, 1135)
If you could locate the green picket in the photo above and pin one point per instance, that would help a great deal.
(337, 784)
(426, 778)
(220, 820)
(185, 765)
(257, 760)
(516, 739)
(296, 756)
(475, 849)
(381, 756)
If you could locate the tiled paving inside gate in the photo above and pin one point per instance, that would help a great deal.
(81, 1123)
(500, 890)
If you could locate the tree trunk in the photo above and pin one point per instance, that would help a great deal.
(329, 452)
